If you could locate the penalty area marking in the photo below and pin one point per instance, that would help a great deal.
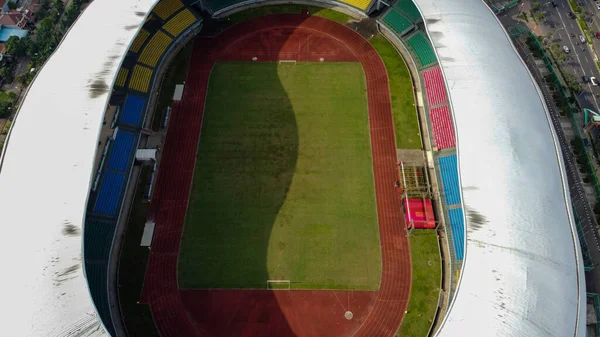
(348, 315)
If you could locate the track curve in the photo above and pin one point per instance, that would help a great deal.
(170, 198)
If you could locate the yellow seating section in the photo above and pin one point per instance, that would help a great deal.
(154, 49)
(122, 77)
(139, 40)
(179, 22)
(361, 4)
(140, 80)
(166, 8)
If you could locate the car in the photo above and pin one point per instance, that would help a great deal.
(582, 38)
(593, 80)
(585, 79)
(598, 35)
(572, 15)
(566, 49)
(598, 6)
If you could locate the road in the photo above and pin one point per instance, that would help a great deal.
(566, 32)
(576, 190)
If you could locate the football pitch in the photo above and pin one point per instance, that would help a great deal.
(283, 183)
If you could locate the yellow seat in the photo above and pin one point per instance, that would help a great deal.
(140, 80)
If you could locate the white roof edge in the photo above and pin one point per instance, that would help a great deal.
(500, 305)
(47, 168)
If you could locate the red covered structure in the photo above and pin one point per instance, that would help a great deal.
(419, 213)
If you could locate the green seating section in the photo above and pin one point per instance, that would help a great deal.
(397, 21)
(409, 9)
(422, 49)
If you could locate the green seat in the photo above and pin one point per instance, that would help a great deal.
(397, 21)
(409, 9)
(422, 49)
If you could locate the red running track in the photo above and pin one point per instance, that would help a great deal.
(183, 313)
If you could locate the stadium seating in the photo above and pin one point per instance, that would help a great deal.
(133, 109)
(109, 194)
(179, 22)
(360, 4)
(98, 236)
(121, 77)
(155, 49)
(139, 40)
(449, 172)
(96, 275)
(434, 86)
(140, 80)
(121, 151)
(419, 43)
(397, 21)
(457, 225)
(443, 131)
(166, 8)
(409, 9)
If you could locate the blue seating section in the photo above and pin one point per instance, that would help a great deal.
(457, 225)
(449, 171)
(132, 109)
(110, 192)
(121, 151)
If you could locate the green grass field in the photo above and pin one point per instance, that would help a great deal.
(406, 122)
(425, 289)
(283, 185)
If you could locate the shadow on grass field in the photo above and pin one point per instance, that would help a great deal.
(425, 288)
(132, 267)
(406, 121)
(283, 185)
(256, 12)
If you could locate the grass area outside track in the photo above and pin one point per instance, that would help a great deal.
(406, 121)
(283, 185)
(256, 12)
(175, 74)
(425, 289)
(132, 267)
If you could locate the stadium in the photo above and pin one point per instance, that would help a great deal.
(274, 168)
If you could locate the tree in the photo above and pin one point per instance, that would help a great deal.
(6, 103)
(6, 73)
(12, 5)
(547, 37)
(540, 16)
(535, 6)
(16, 46)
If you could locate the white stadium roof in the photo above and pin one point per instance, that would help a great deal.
(523, 270)
(46, 171)
(522, 275)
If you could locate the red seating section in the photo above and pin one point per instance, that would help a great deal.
(434, 87)
(443, 131)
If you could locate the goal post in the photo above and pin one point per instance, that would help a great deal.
(279, 285)
(288, 62)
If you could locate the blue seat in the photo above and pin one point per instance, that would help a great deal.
(457, 225)
(109, 193)
(449, 172)
(133, 109)
(121, 151)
